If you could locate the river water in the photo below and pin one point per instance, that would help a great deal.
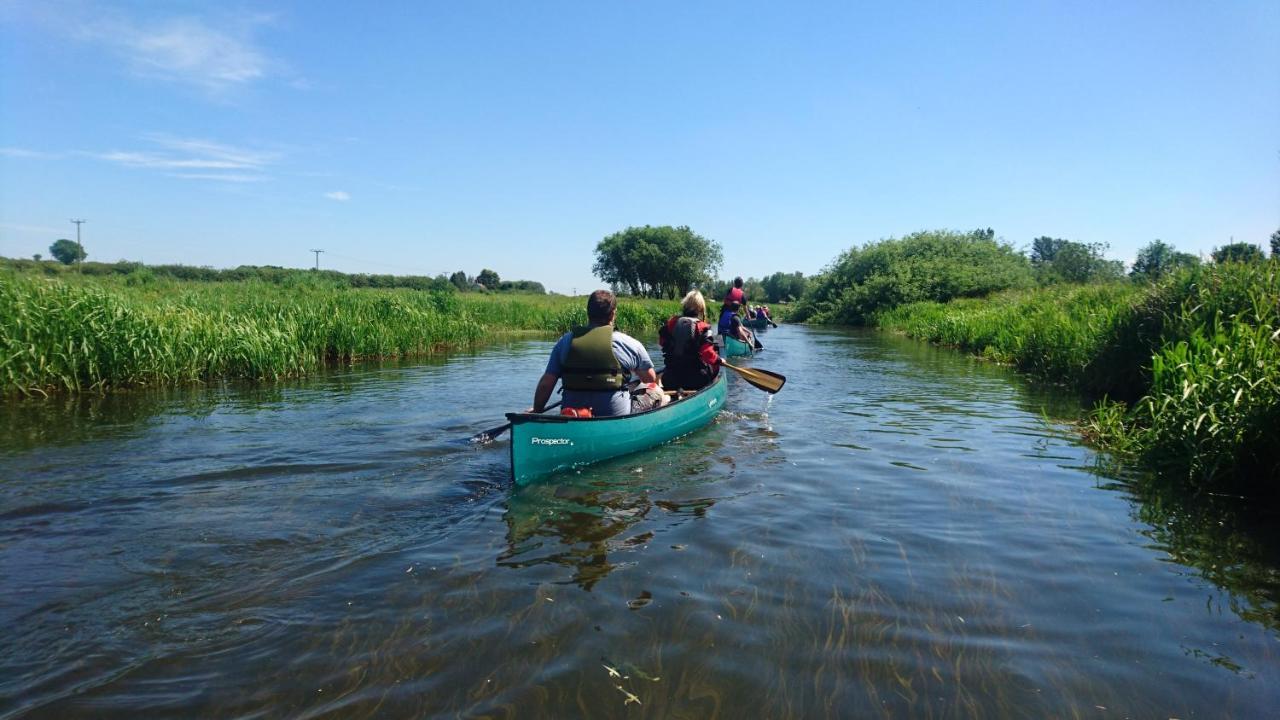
(901, 532)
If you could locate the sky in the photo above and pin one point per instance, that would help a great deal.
(428, 137)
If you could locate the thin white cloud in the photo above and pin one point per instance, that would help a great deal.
(17, 152)
(223, 177)
(188, 50)
(196, 155)
(30, 228)
(338, 195)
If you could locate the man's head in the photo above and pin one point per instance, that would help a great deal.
(737, 282)
(601, 306)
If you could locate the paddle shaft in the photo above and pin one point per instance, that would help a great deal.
(492, 434)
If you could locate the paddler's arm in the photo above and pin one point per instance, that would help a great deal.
(546, 384)
(647, 375)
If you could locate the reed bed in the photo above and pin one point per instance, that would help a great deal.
(75, 334)
(1187, 371)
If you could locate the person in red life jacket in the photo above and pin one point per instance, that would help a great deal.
(688, 347)
(736, 293)
(730, 324)
(593, 361)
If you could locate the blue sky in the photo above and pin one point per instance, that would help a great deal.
(427, 137)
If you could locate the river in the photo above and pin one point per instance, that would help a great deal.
(903, 531)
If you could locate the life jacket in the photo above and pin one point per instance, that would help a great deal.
(591, 364)
(690, 355)
(725, 326)
(681, 337)
(735, 294)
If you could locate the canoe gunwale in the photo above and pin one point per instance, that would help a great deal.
(543, 445)
(515, 417)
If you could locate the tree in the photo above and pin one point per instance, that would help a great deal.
(661, 261)
(1238, 252)
(1058, 260)
(1158, 259)
(1275, 244)
(1044, 249)
(784, 287)
(67, 251)
(37, 257)
(489, 279)
(459, 280)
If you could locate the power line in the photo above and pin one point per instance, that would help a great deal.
(80, 256)
(317, 252)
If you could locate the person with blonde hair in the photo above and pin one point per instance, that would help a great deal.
(689, 347)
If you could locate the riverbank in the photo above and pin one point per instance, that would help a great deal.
(1186, 371)
(93, 333)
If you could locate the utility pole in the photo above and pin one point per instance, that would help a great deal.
(317, 252)
(80, 257)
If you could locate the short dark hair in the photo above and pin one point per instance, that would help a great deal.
(600, 305)
(737, 282)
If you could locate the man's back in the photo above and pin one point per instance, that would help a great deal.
(631, 356)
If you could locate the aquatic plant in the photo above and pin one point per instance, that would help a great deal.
(1187, 370)
(93, 333)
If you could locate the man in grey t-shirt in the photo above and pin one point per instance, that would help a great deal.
(630, 353)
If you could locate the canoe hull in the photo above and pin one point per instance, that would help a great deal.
(734, 347)
(757, 324)
(545, 444)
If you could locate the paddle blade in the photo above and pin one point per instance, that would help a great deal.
(490, 434)
(770, 382)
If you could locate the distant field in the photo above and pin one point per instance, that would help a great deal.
(70, 332)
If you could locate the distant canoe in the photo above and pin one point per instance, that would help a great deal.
(757, 323)
(545, 444)
(732, 347)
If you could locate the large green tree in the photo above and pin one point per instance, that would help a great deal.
(1158, 259)
(1058, 260)
(1275, 244)
(1238, 252)
(661, 261)
(489, 279)
(781, 286)
(460, 281)
(67, 251)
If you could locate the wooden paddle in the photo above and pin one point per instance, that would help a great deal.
(493, 433)
(770, 382)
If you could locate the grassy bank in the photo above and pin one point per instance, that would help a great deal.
(88, 333)
(1187, 370)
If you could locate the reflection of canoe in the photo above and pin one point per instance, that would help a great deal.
(757, 323)
(544, 444)
(734, 347)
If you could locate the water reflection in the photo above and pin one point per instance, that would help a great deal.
(1231, 542)
(588, 526)
(901, 533)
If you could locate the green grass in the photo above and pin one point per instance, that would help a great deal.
(1187, 372)
(87, 333)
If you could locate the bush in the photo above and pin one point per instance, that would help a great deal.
(925, 266)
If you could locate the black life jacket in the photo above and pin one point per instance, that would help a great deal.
(682, 340)
(681, 337)
(591, 364)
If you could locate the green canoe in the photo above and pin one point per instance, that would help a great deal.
(734, 347)
(544, 444)
(757, 323)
